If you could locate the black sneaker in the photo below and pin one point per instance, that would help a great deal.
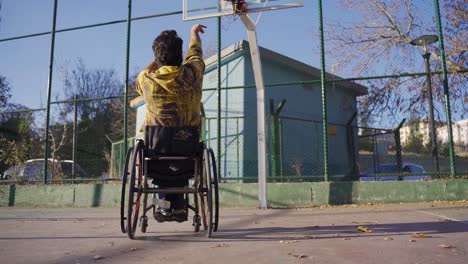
(180, 216)
(162, 214)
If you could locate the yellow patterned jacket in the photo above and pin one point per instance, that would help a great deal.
(173, 93)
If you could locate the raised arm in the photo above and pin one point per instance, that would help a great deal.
(194, 67)
(195, 32)
(195, 52)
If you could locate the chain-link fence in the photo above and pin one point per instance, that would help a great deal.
(347, 97)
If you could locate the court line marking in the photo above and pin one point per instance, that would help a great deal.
(443, 216)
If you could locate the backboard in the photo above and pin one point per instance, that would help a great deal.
(198, 9)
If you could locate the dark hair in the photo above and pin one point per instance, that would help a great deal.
(167, 48)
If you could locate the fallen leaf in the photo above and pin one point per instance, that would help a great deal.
(364, 229)
(299, 256)
(419, 235)
(446, 246)
(388, 238)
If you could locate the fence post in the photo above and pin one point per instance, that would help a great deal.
(237, 148)
(218, 93)
(324, 94)
(351, 145)
(49, 92)
(446, 89)
(398, 146)
(275, 136)
(75, 121)
(127, 65)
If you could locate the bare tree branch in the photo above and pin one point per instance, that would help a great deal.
(376, 42)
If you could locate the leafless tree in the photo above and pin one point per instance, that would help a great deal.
(117, 108)
(96, 87)
(99, 96)
(378, 38)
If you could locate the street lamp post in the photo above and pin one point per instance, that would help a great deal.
(424, 41)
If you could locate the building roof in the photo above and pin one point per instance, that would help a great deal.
(242, 48)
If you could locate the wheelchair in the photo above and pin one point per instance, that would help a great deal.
(150, 170)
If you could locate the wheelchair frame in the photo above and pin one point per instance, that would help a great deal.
(205, 187)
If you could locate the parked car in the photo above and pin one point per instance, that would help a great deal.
(33, 170)
(13, 172)
(390, 168)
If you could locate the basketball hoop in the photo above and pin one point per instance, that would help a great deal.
(238, 6)
(200, 9)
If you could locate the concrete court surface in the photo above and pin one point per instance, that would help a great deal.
(397, 233)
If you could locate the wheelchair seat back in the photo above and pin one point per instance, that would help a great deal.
(170, 154)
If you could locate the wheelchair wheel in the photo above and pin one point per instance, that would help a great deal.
(125, 173)
(135, 190)
(206, 193)
(214, 185)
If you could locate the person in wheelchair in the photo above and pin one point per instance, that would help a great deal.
(172, 91)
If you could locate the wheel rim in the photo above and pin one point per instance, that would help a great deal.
(206, 203)
(214, 183)
(123, 201)
(136, 180)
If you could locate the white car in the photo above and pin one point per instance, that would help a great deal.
(390, 168)
(33, 170)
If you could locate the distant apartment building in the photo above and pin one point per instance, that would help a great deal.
(422, 127)
(459, 132)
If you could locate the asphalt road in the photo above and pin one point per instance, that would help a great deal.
(396, 233)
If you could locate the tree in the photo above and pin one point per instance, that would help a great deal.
(98, 91)
(117, 110)
(414, 143)
(4, 92)
(378, 37)
(17, 135)
(98, 84)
